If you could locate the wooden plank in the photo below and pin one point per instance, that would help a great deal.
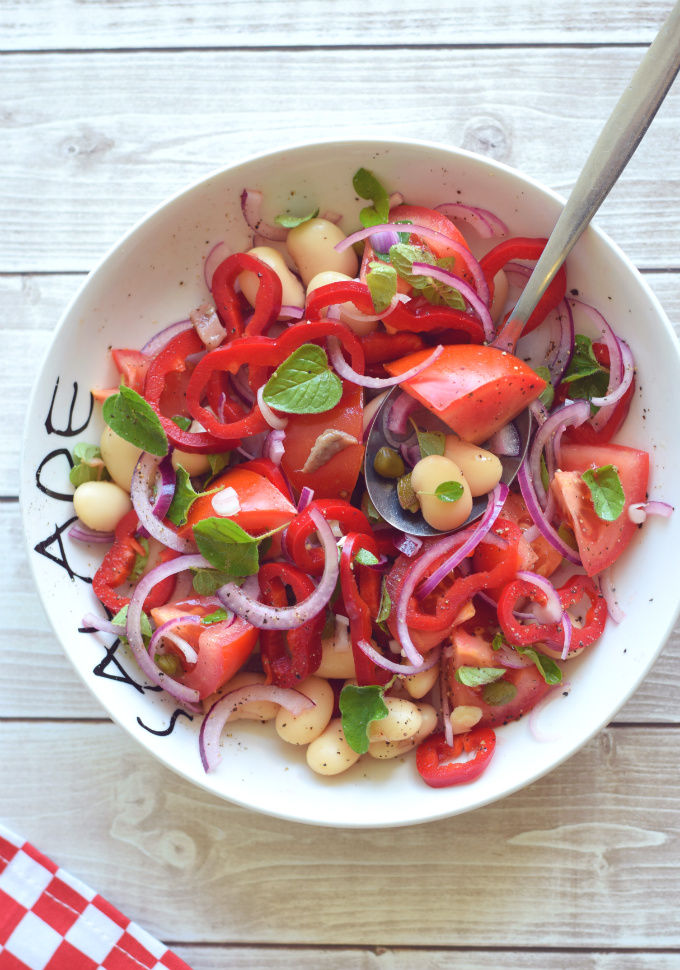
(96, 158)
(589, 854)
(47, 24)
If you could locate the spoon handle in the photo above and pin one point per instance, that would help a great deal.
(620, 137)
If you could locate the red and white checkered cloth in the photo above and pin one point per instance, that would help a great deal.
(51, 921)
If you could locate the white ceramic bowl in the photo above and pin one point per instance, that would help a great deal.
(154, 276)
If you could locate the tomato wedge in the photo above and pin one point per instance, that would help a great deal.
(599, 543)
(475, 390)
(263, 505)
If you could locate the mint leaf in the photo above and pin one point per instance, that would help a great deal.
(367, 186)
(184, 497)
(585, 375)
(358, 707)
(478, 676)
(499, 693)
(547, 395)
(181, 422)
(207, 581)
(290, 222)
(430, 442)
(547, 667)
(140, 562)
(304, 383)
(218, 462)
(219, 616)
(606, 492)
(385, 605)
(498, 641)
(403, 256)
(129, 415)
(88, 465)
(382, 284)
(366, 558)
(449, 491)
(120, 619)
(227, 547)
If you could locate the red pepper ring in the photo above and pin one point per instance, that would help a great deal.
(343, 291)
(260, 352)
(362, 603)
(420, 316)
(520, 634)
(522, 247)
(573, 592)
(433, 757)
(289, 656)
(267, 301)
(302, 529)
(172, 360)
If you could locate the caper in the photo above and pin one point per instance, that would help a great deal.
(169, 663)
(389, 463)
(406, 494)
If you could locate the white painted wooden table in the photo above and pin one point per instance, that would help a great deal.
(107, 107)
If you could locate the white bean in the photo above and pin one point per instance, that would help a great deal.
(481, 468)
(329, 754)
(418, 685)
(426, 476)
(255, 710)
(292, 293)
(101, 505)
(384, 750)
(402, 722)
(311, 244)
(191, 463)
(372, 407)
(337, 664)
(120, 457)
(306, 727)
(464, 717)
(348, 312)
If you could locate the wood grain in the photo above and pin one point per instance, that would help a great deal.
(48, 24)
(589, 854)
(123, 134)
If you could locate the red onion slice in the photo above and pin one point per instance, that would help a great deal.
(540, 520)
(217, 255)
(293, 312)
(273, 420)
(616, 363)
(143, 475)
(251, 203)
(396, 419)
(102, 625)
(241, 388)
(569, 416)
(306, 496)
(552, 611)
(471, 537)
(379, 383)
(166, 629)
(133, 630)
(260, 615)
(507, 657)
(409, 545)
(403, 670)
(567, 627)
(166, 489)
(639, 511)
(445, 704)
(82, 533)
(273, 447)
(163, 337)
(465, 290)
(505, 441)
(484, 222)
(213, 723)
(609, 594)
(611, 397)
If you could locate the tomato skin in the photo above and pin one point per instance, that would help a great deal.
(474, 389)
(337, 478)
(263, 505)
(547, 557)
(431, 219)
(599, 543)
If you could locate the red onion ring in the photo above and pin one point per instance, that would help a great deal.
(540, 520)
(395, 420)
(251, 203)
(569, 415)
(216, 256)
(379, 383)
(273, 420)
(241, 388)
(306, 496)
(163, 337)
(484, 222)
(511, 658)
(403, 670)
(616, 364)
(82, 533)
(273, 447)
(258, 614)
(567, 626)
(465, 290)
(505, 441)
(552, 611)
(145, 469)
(188, 651)
(609, 594)
(628, 375)
(336, 310)
(639, 511)
(213, 723)
(103, 626)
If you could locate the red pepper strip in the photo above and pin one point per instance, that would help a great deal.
(573, 592)
(172, 360)
(292, 656)
(362, 602)
(419, 315)
(227, 304)
(262, 352)
(302, 528)
(381, 347)
(523, 248)
(341, 292)
(522, 634)
(117, 566)
(433, 751)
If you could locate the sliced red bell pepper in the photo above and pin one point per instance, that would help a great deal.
(572, 592)
(433, 752)
(521, 247)
(265, 354)
(418, 316)
(171, 361)
(520, 634)
(362, 602)
(289, 656)
(302, 528)
(118, 564)
(380, 347)
(268, 470)
(226, 299)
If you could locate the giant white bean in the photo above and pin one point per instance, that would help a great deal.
(191, 463)
(430, 472)
(384, 750)
(464, 717)
(101, 505)
(482, 469)
(420, 684)
(120, 457)
(311, 244)
(306, 727)
(329, 754)
(348, 313)
(336, 664)
(255, 710)
(292, 292)
(403, 721)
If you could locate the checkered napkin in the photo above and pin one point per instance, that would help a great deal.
(51, 921)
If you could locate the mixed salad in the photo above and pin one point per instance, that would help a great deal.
(249, 571)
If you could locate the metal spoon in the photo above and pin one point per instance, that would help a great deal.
(617, 143)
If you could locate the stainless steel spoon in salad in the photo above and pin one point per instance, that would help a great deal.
(614, 148)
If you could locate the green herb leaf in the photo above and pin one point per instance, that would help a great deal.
(545, 477)
(606, 491)
(404, 255)
(547, 396)
(547, 667)
(290, 222)
(219, 616)
(385, 605)
(367, 186)
(169, 663)
(227, 547)
(478, 676)
(218, 462)
(140, 562)
(120, 619)
(430, 442)
(498, 641)
(181, 422)
(184, 497)
(207, 581)
(304, 383)
(499, 693)
(585, 374)
(382, 283)
(129, 415)
(329, 625)
(358, 707)
(449, 491)
(366, 558)
(88, 465)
